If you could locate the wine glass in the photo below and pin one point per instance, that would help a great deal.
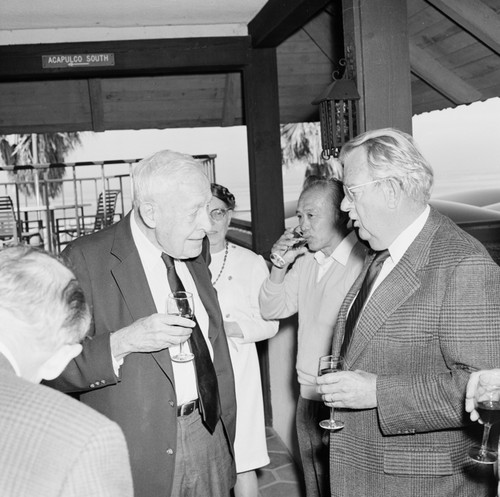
(299, 241)
(487, 403)
(181, 304)
(330, 364)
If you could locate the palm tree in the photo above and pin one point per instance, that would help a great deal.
(44, 148)
(301, 144)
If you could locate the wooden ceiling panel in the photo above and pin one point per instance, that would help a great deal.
(159, 101)
(448, 45)
(43, 105)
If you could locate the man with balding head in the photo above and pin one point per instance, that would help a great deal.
(50, 444)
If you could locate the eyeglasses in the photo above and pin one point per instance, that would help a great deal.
(218, 214)
(348, 189)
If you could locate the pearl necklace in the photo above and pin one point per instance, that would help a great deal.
(223, 265)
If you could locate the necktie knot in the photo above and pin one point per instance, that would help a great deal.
(169, 262)
(381, 256)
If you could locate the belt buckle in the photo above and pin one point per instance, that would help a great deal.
(187, 408)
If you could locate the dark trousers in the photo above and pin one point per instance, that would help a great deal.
(204, 466)
(313, 446)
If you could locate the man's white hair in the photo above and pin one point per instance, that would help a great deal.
(41, 297)
(162, 173)
(392, 153)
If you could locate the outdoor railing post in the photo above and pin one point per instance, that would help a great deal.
(48, 214)
(104, 196)
(75, 192)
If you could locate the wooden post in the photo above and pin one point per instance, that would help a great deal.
(260, 95)
(377, 33)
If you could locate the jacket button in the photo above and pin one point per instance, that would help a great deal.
(92, 386)
(172, 403)
(170, 452)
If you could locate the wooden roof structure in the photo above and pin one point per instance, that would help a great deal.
(406, 57)
(454, 48)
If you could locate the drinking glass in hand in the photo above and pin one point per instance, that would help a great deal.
(181, 304)
(299, 241)
(487, 403)
(330, 364)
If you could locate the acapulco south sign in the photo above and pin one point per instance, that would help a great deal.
(78, 60)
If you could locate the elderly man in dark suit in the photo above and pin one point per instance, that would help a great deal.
(50, 445)
(180, 431)
(410, 337)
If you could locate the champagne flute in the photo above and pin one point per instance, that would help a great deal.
(330, 364)
(181, 304)
(487, 401)
(299, 241)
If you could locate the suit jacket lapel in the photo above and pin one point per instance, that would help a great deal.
(129, 274)
(133, 285)
(401, 283)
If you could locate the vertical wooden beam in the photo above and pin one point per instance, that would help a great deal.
(261, 106)
(377, 33)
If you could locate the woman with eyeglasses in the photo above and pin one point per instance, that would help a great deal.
(237, 274)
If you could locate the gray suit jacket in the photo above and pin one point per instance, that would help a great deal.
(53, 446)
(434, 319)
(142, 401)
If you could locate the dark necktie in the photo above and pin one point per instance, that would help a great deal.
(208, 389)
(360, 300)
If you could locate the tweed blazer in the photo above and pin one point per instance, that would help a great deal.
(142, 400)
(53, 446)
(433, 320)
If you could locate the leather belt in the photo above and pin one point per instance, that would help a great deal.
(187, 408)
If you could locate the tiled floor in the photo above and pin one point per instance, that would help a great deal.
(281, 477)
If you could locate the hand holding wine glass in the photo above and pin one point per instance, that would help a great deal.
(181, 304)
(298, 242)
(487, 404)
(330, 364)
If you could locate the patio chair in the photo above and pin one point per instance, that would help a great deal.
(66, 228)
(10, 234)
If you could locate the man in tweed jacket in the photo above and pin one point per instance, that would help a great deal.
(433, 317)
(50, 444)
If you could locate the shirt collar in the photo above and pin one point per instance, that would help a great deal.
(400, 245)
(341, 253)
(149, 254)
(10, 357)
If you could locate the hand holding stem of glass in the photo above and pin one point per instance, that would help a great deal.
(330, 364)
(181, 304)
(299, 241)
(487, 400)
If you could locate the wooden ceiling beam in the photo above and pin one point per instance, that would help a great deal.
(278, 20)
(475, 17)
(441, 78)
(130, 58)
(327, 33)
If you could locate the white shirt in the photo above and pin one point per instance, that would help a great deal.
(156, 274)
(399, 246)
(340, 254)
